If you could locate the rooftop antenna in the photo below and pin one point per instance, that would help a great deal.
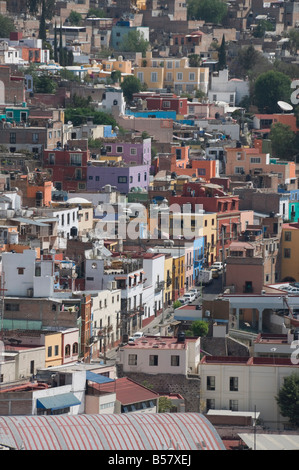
(285, 107)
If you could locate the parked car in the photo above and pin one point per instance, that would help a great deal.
(215, 273)
(217, 265)
(190, 297)
(193, 291)
(135, 336)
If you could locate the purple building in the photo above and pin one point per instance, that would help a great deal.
(124, 178)
(131, 152)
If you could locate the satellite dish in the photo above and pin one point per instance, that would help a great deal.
(285, 106)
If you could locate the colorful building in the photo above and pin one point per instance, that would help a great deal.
(290, 251)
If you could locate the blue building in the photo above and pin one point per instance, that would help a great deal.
(198, 257)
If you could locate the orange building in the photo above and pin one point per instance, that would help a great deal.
(181, 154)
(36, 192)
(206, 169)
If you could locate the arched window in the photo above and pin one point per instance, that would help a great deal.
(67, 350)
(75, 348)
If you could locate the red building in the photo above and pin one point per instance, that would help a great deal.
(68, 167)
(212, 198)
(164, 102)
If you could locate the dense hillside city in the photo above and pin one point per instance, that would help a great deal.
(149, 226)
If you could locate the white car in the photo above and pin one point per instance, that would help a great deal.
(217, 265)
(135, 336)
(193, 291)
(190, 297)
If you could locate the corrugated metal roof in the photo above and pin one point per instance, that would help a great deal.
(97, 378)
(57, 402)
(135, 431)
(271, 441)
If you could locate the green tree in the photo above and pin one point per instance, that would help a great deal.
(165, 405)
(211, 11)
(262, 27)
(79, 116)
(44, 84)
(75, 18)
(288, 399)
(269, 88)
(134, 42)
(96, 12)
(34, 6)
(222, 54)
(129, 86)
(294, 40)
(282, 141)
(115, 76)
(194, 60)
(42, 33)
(6, 26)
(198, 328)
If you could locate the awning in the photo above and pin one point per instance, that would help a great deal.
(98, 378)
(57, 402)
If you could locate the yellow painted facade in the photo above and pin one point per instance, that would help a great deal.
(168, 269)
(290, 251)
(171, 72)
(53, 343)
(210, 236)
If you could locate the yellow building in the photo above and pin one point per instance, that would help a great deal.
(168, 269)
(210, 236)
(171, 72)
(53, 342)
(290, 252)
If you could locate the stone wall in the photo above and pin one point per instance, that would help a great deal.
(189, 388)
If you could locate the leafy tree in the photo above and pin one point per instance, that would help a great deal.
(49, 7)
(269, 88)
(177, 304)
(198, 328)
(262, 27)
(44, 84)
(249, 63)
(115, 76)
(294, 40)
(79, 116)
(211, 11)
(165, 405)
(288, 399)
(222, 55)
(42, 34)
(75, 18)
(134, 42)
(6, 26)
(129, 86)
(97, 12)
(282, 141)
(194, 60)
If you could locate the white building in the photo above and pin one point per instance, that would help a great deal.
(113, 101)
(161, 355)
(25, 276)
(245, 384)
(229, 90)
(153, 265)
(106, 306)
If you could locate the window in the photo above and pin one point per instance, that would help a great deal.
(12, 138)
(179, 76)
(56, 350)
(133, 151)
(49, 351)
(255, 160)
(119, 149)
(76, 159)
(210, 382)
(166, 104)
(169, 64)
(192, 76)
(153, 360)
(287, 236)
(35, 137)
(132, 360)
(175, 361)
(287, 253)
(169, 77)
(67, 350)
(154, 77)
(75, 348)
(122, 179)
(239, 170)
(51, 158)
(210, 404)
(140, 76)
(31, 367)
(12, 307)
(233, 384)
(233, 405)
(21, 271)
